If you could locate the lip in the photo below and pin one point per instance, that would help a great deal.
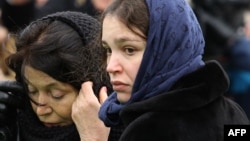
(119, 86)
(51, 124)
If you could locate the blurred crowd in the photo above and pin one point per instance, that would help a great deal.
(225, 25)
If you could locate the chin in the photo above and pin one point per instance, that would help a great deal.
(123, 100)
(123, 97)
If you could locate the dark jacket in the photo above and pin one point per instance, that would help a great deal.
(195, 109)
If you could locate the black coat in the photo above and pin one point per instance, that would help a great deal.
(195, 109)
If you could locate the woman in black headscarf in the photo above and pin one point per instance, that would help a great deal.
(55, 55)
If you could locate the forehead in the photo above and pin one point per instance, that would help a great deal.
(113, 28)
(113, 22)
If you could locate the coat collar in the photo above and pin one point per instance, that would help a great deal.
(191, 91)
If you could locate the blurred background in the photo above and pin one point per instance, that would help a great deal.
(226, 27)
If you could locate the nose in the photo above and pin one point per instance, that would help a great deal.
(113, 64)
(43, 107)
(43, 110)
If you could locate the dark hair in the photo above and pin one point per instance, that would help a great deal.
(132, 13)
(56, 49)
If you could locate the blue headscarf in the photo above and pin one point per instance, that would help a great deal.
(175, 45)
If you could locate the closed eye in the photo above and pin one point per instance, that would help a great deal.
(56, 94)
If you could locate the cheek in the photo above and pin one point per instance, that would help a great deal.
(64, 108)
(123, 97)
(34, 107)
(132, 72)
(64, 112)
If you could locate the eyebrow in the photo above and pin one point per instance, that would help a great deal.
(52, 84)
(47, 85)
(121, 40)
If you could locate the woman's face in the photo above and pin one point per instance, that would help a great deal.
(55, 97)
(124, 50)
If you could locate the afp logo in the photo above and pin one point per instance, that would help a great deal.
(236, 132)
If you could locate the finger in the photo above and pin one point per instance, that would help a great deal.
(3, 108)
(87, 95)
(11, 86)
(10, 99)
(87, 85)
(6, 112)
(4, 96)
(103, 95)
(87, 90)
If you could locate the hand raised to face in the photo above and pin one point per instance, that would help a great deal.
(85, 113)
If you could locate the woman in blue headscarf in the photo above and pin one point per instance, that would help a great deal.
(163, 90)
